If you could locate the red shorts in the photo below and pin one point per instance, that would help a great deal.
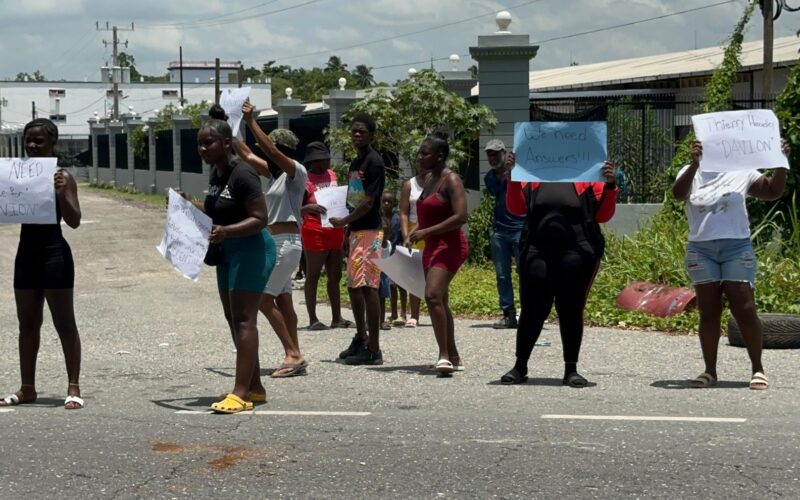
(321, 239)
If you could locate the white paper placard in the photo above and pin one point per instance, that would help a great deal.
(334, 199)
(27, 192)
(185, 240)
(404, 267)
(739, 140)
(231, 101)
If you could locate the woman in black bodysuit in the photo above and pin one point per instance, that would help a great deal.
(560, 253)
(44, 271)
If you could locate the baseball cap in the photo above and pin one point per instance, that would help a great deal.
(495, 145)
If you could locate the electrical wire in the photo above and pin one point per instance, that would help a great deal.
(217, 21)
(200, 21)
(402, 35)
(574, 35)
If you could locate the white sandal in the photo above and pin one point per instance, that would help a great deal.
(703, 381)
(11, 400)
(759, 382)
(74, 399)
(444, 367)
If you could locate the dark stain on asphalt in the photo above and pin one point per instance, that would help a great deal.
(227, 456)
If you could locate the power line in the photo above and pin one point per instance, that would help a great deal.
(574, 35)
(217, 18)
(217, 22)
(410, 33)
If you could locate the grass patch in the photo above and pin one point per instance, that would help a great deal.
(117, 193)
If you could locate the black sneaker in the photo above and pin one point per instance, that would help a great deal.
(365, 357)
(355, 345)
(508, 321)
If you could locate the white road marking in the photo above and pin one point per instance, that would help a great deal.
(644, 418)
(285, 413)
(6, 410)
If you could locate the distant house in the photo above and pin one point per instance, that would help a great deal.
(203, 71)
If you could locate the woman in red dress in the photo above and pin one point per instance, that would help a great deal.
(441, 211)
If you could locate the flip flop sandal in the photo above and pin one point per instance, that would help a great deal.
(703, 381)
(318, 326)
(293, 370)
(76, 400)
(343, 324)
(399, 322)
(386, 325)
(759, 382)
(444, 367)
(14, 400)
(232, 404)
(575, 380)
(513, 377)
(412, 323)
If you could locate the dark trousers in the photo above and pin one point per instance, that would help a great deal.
(563, 277)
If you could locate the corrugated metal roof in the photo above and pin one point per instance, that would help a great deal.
(659, 67)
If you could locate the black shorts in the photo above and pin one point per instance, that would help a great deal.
(50, 267)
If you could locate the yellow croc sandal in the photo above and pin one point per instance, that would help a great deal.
(232, 404)
(255, 397)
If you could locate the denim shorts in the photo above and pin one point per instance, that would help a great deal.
(721, 260)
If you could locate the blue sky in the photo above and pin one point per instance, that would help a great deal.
(58, 37)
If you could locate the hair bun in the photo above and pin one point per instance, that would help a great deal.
(441, 133)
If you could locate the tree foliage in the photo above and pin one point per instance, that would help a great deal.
(164, 122)
(719, 96)
(37, 76)
(418, 107)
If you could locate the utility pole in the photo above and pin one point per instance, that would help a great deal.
(180, 61)
(216, 80)
(116, 71)
(769, 36)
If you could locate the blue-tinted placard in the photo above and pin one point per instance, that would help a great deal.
(560, 151)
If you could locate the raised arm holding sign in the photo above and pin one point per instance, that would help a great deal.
(559, 151)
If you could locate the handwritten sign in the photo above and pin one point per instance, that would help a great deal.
(27, 193)
(231, 101)
(334, 199)
(559, 151)
(404, 267)
(185, 239)
(739, 140)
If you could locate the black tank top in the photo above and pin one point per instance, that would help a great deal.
(557, 217)
(42, 236)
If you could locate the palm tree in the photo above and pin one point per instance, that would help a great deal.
(335, 64)
(363, 76)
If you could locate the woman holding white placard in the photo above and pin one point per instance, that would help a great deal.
(44, 271)
(719, 256)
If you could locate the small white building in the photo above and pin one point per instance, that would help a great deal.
(203, 71)
(71, 104)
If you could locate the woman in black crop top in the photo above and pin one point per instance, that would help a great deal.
(44, 270)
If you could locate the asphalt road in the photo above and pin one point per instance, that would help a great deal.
(156, 352)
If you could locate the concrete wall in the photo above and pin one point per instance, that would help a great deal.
(630, 217)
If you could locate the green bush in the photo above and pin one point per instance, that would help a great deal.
(479, 235)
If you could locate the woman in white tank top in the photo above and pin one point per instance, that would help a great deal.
(412, 189)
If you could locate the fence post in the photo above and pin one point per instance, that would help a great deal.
(131, 124)
(114, 128)
(288, 109)
(504, 61)
(151, 153)
(95, 128)
(338, 102)
(179, 122)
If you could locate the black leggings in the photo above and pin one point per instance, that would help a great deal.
(545, 277)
